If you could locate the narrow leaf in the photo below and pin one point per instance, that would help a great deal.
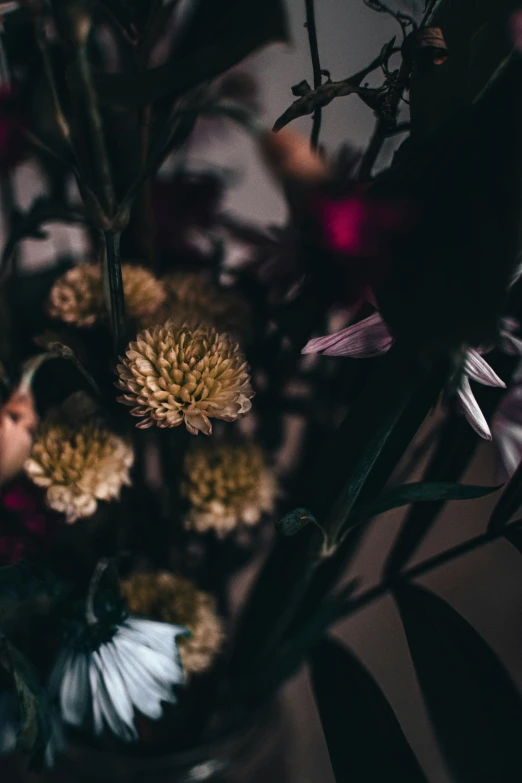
(421, 491)
(474, 706)
(509, 502)
(365, 740)
(513, 534)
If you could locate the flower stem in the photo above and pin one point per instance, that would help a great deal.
(115, 296)
(424, 567)
(316, 65)
(101, 567)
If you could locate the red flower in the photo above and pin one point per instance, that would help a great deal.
(26, 527)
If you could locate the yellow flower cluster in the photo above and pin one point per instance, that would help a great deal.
(78, 466)
(226, 485)
(172, 599)
(173, 374)
(77, 296)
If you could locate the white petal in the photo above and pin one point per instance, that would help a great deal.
(94, 678)
(109, 710)
(116, 687)
(164, 667)
(75, 695)
(158, 636)
(146, 693)
(477, 368)
(363, 340)
(472, 411)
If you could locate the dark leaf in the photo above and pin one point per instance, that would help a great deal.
(514, 535)
(34, 726)
(421, 491)
(365, 740)
(477, 35)
(474, 706)
(223, 33)
(453, 453)
(509, 502)
(295, 521)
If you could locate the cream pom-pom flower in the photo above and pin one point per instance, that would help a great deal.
(77, 296)
(172, 599)
(173, 374)
(226, 485)
(79, 466)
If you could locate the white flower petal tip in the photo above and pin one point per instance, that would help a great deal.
(477, 368)
(472, 411)
(136, 670)
(364, 340)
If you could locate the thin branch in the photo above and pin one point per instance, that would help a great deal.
(404, 20)
(386, 121)
(114, 290)
(310, 100)
(41, 40)
(316, 65)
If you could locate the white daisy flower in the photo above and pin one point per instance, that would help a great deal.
(136, 669)
(116, 664)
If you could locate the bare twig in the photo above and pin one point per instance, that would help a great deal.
(316, 65)
(386, 121)
(404, 20)
(325, 94)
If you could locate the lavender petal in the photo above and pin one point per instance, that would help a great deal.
(363, 340)
(472, 411)
(477, 368)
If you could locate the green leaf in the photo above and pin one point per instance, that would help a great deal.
(34, 728)
(365, 740)
(223, 33)
(474, 706)
(295, 521)
(416, 492)
(509, 502)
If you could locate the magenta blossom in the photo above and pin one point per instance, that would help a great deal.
(371, 337)
(26, 527)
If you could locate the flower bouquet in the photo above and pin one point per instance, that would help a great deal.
(194, 395)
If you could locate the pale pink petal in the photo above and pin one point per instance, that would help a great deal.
(472, 411)
(510, 344)
(508, 439)
(477, 368)
(363, 340)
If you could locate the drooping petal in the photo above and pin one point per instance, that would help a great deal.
(363, 340)
(477, 368)
(472, 411)
(75, 692)
(117, 688)
(507, 435)
(109, 710)
(146, 693)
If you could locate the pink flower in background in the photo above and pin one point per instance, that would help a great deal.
(12, 139)
(26, 527)
(371, 337)
(357, 226)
